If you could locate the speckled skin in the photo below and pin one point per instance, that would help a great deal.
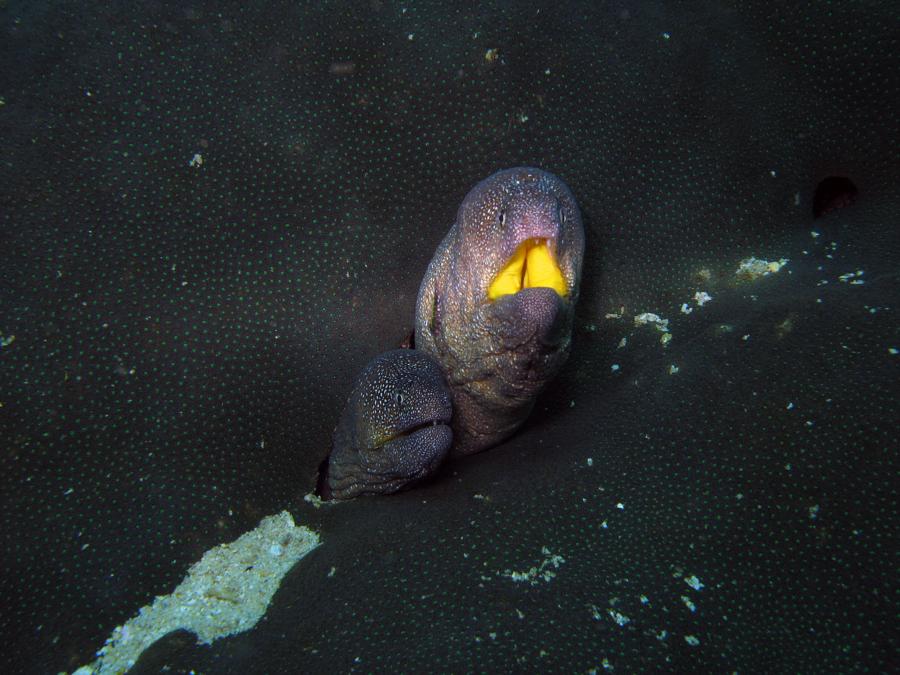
(393, 431)
(497, 356)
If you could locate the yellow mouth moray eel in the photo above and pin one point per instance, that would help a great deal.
(496, 305)
(394, 430)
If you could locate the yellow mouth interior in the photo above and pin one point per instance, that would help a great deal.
(532, 265)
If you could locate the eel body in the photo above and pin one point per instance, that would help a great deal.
(496, 305)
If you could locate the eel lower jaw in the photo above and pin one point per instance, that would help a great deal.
(429, 443)
(532, 318)
(404, 461)
(532, 265)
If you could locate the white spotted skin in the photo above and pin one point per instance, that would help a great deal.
(394, 430)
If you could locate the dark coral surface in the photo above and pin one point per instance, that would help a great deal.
(212, 216)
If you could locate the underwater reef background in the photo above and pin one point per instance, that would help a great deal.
(213, 215)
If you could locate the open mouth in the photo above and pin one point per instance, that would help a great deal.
(531, 266)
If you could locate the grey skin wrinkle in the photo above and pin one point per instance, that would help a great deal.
(498, 355)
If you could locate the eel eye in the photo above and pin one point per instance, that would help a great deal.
(503, 216)
(399, 398)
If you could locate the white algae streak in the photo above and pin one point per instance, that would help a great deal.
(754, 268)
(225, 593)
(649, 318)
(535, 574)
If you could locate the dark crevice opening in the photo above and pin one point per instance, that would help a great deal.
(833, 193)
(323, 491)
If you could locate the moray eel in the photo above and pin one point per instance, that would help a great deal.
(394, 430)
(496, 306)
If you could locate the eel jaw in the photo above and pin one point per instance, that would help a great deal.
(532, 265)
(411, 427)
(412, 432)
(409, 455)
(412, 451)
(402, 461)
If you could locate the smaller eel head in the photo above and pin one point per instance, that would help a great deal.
(394, 430)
